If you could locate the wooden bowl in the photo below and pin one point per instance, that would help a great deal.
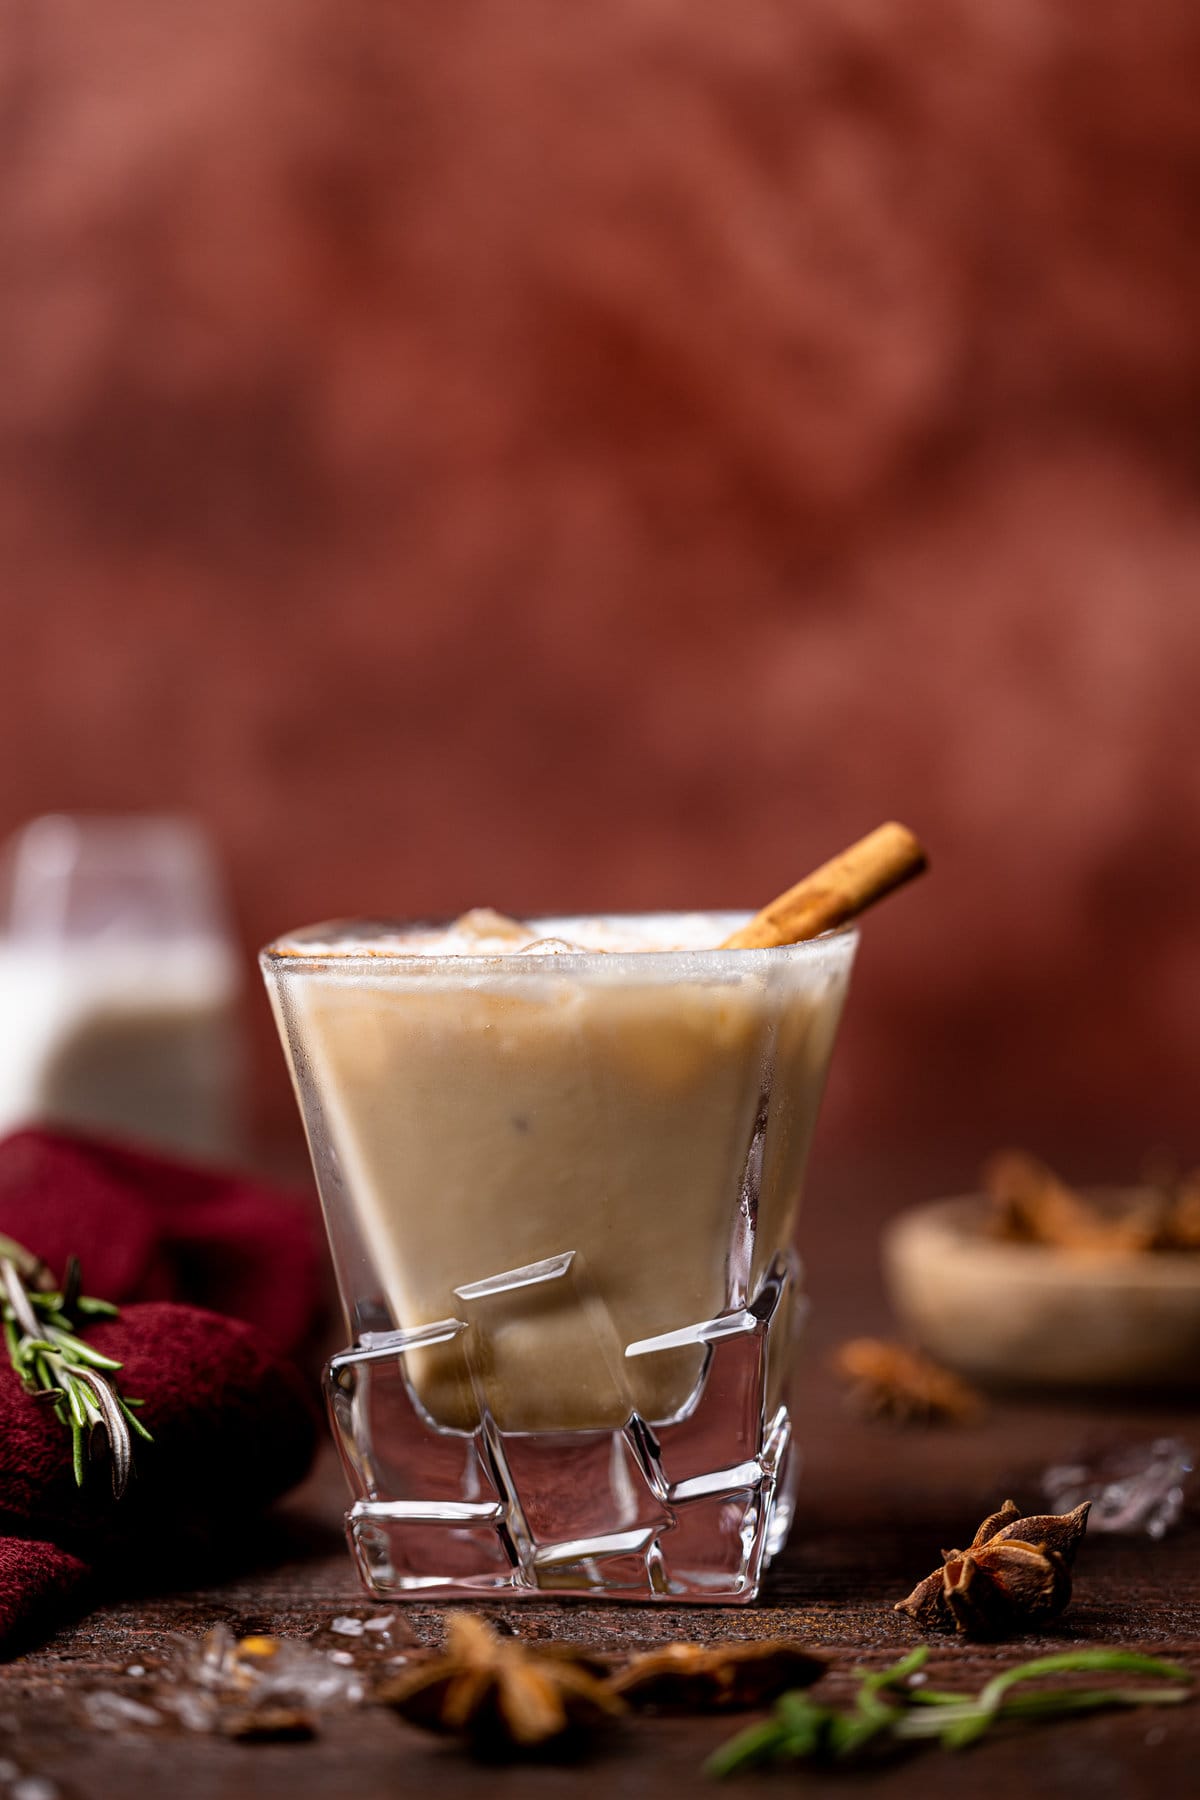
(1031, 1313)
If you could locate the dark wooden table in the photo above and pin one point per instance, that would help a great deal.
(877, 1505)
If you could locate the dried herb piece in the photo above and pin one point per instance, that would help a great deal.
(501, 1697)
(1016, 1573)
(888, 1712)
(723, 1678)
(890, 1381)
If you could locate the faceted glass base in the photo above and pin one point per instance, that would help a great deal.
(690, 1510)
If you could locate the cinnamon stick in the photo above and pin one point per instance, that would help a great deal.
(839, 890)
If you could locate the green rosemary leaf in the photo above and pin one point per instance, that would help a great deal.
(1081, 1662)
(81, 1352)
(41, 1324)
(18, 1297)
(848, 1733)
(81, 1397)
(1059, 1700)
(992, 1703)
(78, 1415)
(799, 1729)
(1054, 1703)
(750, 1748)
(804, 1724)
(872, 1682)
(126, 1407)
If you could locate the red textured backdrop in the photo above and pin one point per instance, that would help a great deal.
(610, 456)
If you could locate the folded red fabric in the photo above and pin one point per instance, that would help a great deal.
(146, 1227)
(234, 1423)
(38, 1582)
(233, 1426)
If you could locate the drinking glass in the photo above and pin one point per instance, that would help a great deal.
(120, 983)
(560, 1191)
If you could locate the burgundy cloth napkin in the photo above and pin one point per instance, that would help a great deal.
(234, 1421)
(146, 1227)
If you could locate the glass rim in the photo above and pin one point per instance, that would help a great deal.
(315, 947)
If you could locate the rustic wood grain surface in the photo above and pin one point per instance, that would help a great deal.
(877, 1505)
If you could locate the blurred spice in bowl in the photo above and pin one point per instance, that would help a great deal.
(1031, 1282)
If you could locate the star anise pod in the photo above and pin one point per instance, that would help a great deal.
(500, 1696)
(720, 1678)
(1016, 1573)
(890, 1381)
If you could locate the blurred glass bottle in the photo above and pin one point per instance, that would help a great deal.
(119, 983)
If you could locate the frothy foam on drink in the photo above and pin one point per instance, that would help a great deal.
(484, 932)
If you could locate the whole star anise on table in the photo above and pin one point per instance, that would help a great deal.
(501, 1696)
(1016, 1573)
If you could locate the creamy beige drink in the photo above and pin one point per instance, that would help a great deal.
(618, 1095)
(560, 1164)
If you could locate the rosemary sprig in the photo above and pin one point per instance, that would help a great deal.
(41, 1322)
(885, 1709)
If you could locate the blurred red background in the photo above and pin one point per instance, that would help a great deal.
(612, 456)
